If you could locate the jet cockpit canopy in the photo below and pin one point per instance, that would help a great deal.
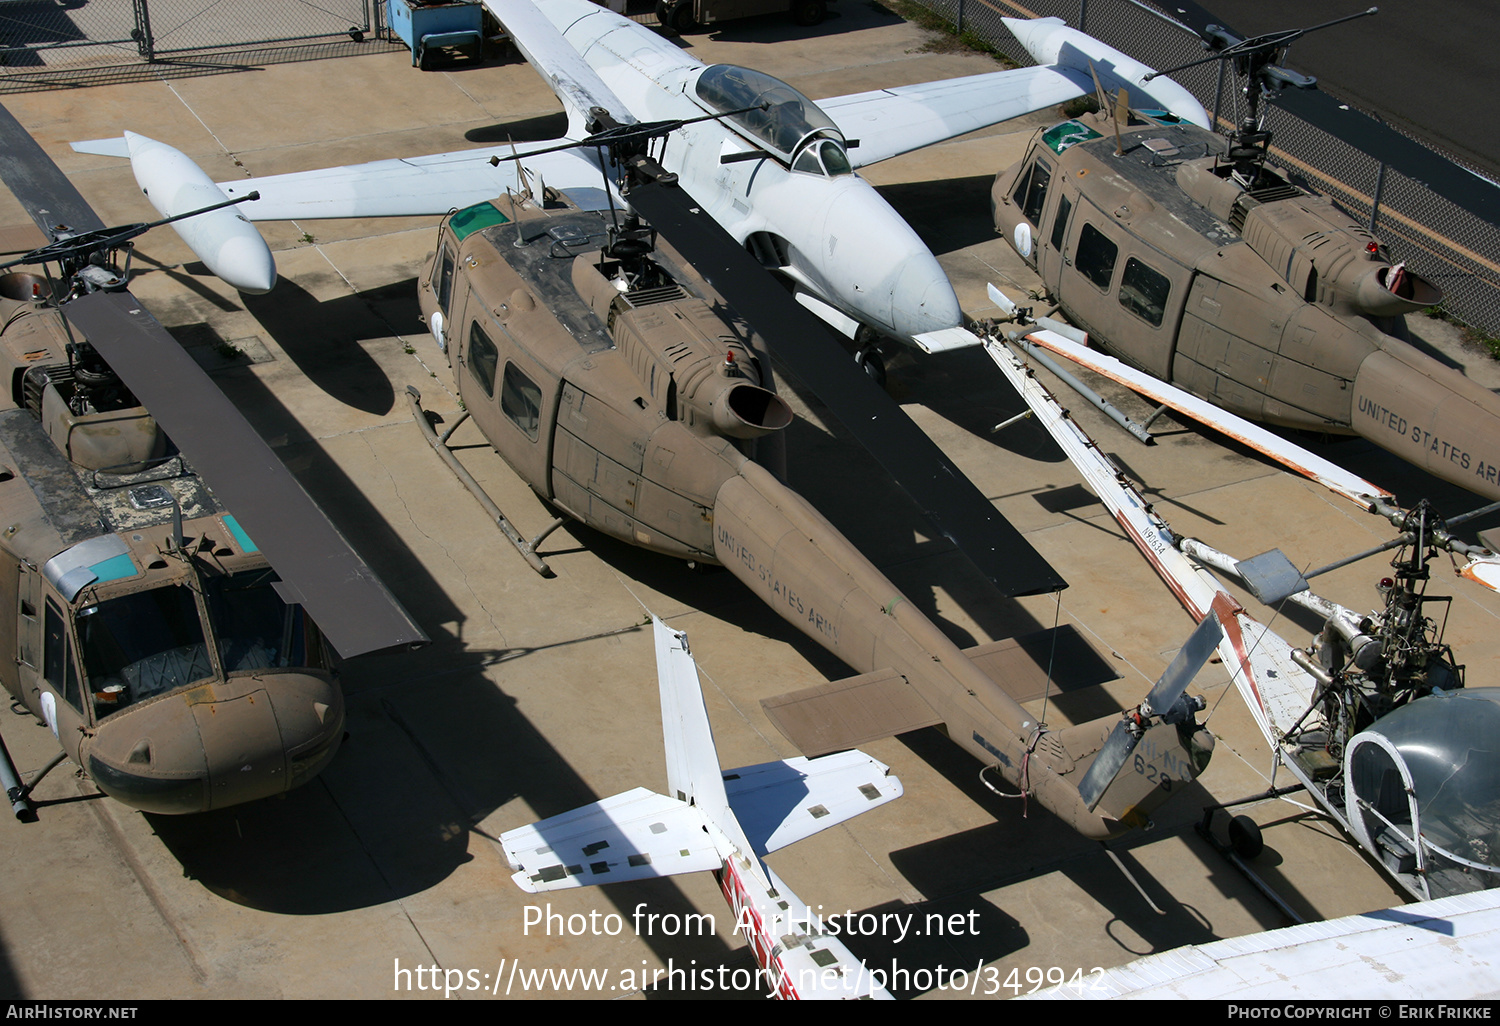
(792, 128)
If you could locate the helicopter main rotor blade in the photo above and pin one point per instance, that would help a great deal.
(39, 184)
(806, 346)
(339, 591)
(1454, 183)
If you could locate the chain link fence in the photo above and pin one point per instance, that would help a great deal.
(47, 43)
(1456, 250)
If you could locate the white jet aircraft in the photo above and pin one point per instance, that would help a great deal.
(721, 821)
(779, 178)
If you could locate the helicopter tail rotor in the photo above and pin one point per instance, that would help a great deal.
(1166, 703)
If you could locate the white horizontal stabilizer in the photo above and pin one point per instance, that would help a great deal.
(778, 803)
(115, 146)
(638, 835)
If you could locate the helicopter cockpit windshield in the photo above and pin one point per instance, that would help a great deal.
(791, 127)
(1424, 782)
(151, 642)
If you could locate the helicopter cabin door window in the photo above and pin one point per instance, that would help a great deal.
(444, 284)
(483, 359)
(1144, 291)
(1095, 257)
(57, 655)
(1031, 192)
(521, 401)
(1060, 223)
(29, 628)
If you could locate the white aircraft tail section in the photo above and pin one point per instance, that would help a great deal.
(710, 814)
(693, 772)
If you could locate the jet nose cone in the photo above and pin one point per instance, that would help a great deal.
(924, 298)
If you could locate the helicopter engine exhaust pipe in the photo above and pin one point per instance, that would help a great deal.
(224, 239)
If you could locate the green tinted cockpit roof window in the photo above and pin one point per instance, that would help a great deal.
(1069, 133)
(472, 219)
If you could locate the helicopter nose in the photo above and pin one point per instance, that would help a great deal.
(219, 744)
(1431, 415)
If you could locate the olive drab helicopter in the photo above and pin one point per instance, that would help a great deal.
(180, 643)
(1194, 258)
(613, 378)
(1372, 717)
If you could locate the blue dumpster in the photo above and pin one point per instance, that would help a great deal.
(428, 26)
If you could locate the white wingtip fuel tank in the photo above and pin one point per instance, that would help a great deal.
(224, 239)
(1051, 41)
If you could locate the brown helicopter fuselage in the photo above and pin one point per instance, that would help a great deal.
(646, 411)
(1266, 300)
(160, 656)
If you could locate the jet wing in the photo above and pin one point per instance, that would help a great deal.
(638, 835)
(889, 122)
(778, 803)
(405, 187)
(576, 84)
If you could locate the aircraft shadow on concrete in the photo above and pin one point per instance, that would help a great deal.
(1029, 843)
(966, 388)
(948, 214)
(322, 336)
(394, 813)
(526, 130)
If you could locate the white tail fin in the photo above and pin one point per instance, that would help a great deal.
(694, 774)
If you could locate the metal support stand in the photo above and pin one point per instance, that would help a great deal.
(1104, 405)
(527, 549)
(1205, 830)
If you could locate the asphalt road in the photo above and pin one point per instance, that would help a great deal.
(1426, 65)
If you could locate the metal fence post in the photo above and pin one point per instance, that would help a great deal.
(1375, 203)
(1083, 14)
(142, 34)
(960, 29)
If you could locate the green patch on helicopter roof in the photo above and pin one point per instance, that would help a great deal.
(240, 537)
(476, 218)
(1069, 133)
